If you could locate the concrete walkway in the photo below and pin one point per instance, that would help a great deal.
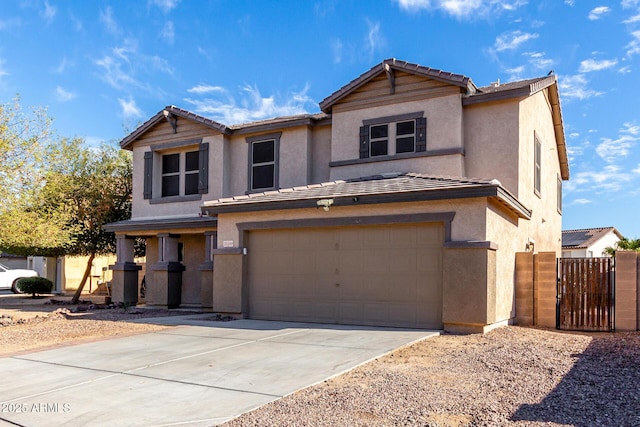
(198, 373)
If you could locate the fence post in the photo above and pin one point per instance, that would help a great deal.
(626, 297)
(524, 289)
(545, 289)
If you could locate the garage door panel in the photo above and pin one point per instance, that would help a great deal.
(368, 275)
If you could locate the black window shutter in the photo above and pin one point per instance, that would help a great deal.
(364, 142)
(148, 174)
(421, 134)
(203, 168)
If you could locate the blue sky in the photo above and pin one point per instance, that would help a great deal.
(104, 67)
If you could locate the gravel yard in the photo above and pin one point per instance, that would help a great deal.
(510, 376)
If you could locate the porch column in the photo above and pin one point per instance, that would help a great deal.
(124, 281)
(167, 276)
(206, 270)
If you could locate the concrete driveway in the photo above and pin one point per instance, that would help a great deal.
(198, 373)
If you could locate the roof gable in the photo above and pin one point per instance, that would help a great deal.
(170, 114)
(389, 68)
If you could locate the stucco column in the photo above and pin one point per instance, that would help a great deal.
(206, 270)
(626, 296)
(469, 288)
(167, 277)
(227, 281)
(124, 281)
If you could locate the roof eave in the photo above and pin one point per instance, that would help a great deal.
(493, 191)
(127, 142)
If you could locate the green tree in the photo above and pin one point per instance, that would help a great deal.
(90, 187)
(624, 244)
(22, 135)
(23, 138)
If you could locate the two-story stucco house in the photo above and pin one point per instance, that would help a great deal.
(403, 203)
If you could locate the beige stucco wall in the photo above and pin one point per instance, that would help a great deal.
(491, 142)
(320, 154)
(447, 165)
(144, 208)
(545, 226)
(444, 124)
(469, 222)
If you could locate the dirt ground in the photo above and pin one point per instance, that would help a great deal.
(28, 324)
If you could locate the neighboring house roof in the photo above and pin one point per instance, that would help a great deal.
(388, 66)
(385, 188)
(584, 238)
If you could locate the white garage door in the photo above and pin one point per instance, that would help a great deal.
(363, 275)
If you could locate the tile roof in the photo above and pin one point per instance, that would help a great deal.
(521, 88)
(394, 187)
(583, 238)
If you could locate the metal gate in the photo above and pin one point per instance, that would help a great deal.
(585, 294)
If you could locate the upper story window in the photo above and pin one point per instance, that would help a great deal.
(177, 168)
(537, 165)
(182, 172)
(387, 136)
(263, 162)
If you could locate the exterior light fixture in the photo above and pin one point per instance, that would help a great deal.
(324, 204)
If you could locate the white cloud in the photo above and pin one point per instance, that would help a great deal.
(611, 150)
(7, 24)
(581, 202)
(633, 48)
(629, 4)
(538, 60)
(201, 89)
(109, 22)
(589, 65)
(373, 39)
(632, 20)
(168, 33)
(63, 95)
(574, 135)
(512, 40)
(113, 67)
(121, 66)
(569, 2)
(129, 109)
(610, 178)
(252, 106)
(63, 66)
(576, 87)
(598, 12)
(637, 170)
(462, 9)
(48, 13)
(631, 129)
(336, 48)
(515, 73)
(165, 6)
